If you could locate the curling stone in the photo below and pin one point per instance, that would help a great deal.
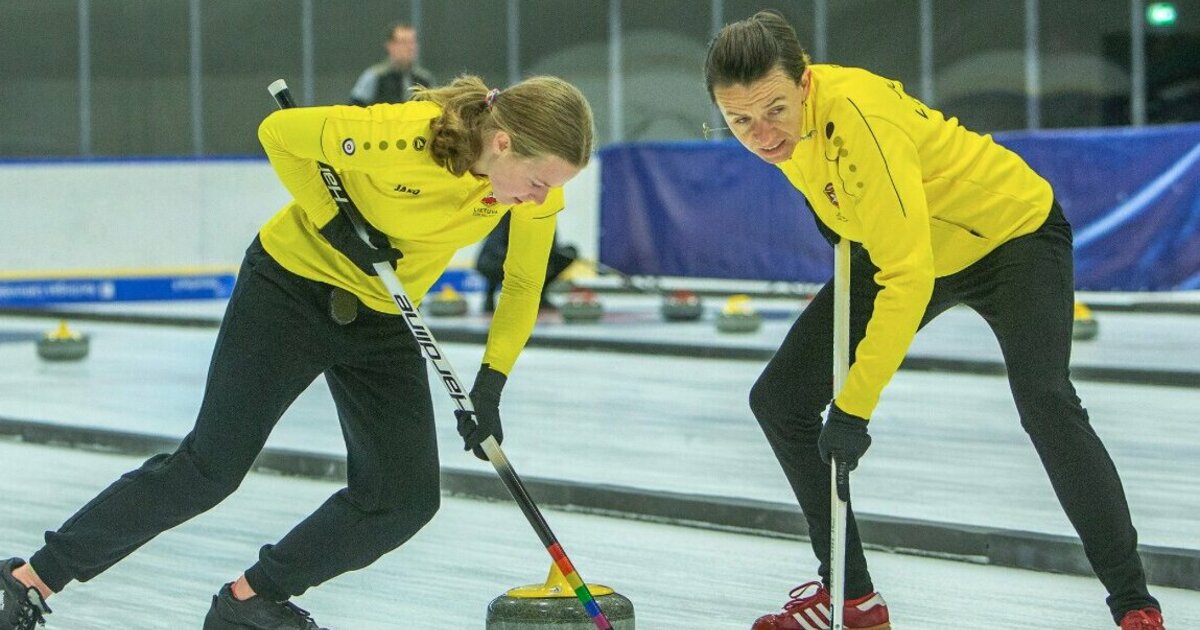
(738, 316)
(555, 606)
(559, 286)
(63, 344)
(448, 303)
(682, 306)
(582, 305)
(1085, 327)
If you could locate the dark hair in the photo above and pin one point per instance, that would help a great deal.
(542, 115)
(746, 51)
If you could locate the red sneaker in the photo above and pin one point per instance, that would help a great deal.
(1144, 619)
(809, 610)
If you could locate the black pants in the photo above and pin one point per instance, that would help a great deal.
(1024, 289)
(276, 338)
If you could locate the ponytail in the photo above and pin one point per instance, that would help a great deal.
(542, 115)
(458, 133)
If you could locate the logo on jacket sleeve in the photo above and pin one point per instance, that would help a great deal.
(401, 188)
(832, 194)
(348, 146)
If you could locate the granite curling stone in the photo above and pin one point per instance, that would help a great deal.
(555, 606)
(738, 316)
(1085, 326)
(447, 303)
(682, 306)
(582, 305)
(63, 344)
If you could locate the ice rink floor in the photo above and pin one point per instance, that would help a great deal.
(661, 423)
(676, 577)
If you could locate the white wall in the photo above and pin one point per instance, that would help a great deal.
(59, 216)
(579, 223)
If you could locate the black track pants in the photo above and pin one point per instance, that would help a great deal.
(1024, 290)
(276, 337)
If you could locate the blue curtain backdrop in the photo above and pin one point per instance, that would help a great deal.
(713, 210)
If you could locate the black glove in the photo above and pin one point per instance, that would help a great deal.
(340, 233)
(844, 436)
(485, 397)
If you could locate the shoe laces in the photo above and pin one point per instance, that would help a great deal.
(802, 595)
(30, 613)
(299, 613)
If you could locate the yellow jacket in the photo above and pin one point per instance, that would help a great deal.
(924, 196)
(381, 155)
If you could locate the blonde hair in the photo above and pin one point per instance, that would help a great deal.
(544, 116)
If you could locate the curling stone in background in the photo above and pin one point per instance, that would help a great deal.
(1085, 327)
(554, 606)
(559, 287)
(582, 305)
(738, 316)
(682, 306)
(447, 303)
(63, 344)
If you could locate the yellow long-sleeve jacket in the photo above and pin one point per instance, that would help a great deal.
(924, 196)
(381, 154)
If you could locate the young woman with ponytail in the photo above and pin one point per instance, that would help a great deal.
(430, 176)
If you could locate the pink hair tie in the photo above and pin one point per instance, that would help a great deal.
(491, 97)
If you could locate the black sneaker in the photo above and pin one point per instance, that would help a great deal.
(21, 607)
(227, 613)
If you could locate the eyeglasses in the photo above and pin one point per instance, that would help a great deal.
(709, 131)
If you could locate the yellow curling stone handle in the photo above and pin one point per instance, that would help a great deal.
(63, 333)
(556, 586)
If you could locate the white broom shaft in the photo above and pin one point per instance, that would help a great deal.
(841, 316)
(841, 368)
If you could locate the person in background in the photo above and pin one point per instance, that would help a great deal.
(392, 80)
(937, 216)
(490, 264)
(429, 177)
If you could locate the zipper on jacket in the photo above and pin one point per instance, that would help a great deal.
(960, 226)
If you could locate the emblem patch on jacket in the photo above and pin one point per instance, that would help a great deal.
(829, 192)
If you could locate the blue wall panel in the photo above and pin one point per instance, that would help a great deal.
(713, 210)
